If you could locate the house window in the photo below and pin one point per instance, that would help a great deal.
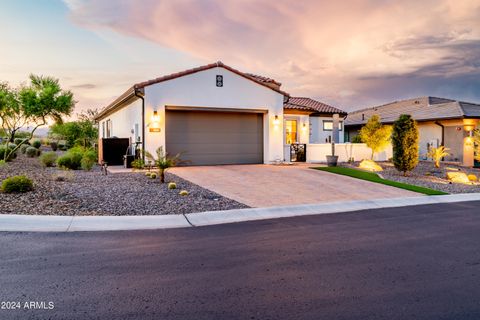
(103, 129)
(290, 131)
(109, 128)
(328, 125)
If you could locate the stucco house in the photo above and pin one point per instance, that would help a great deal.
(215, 114)
(440, 122)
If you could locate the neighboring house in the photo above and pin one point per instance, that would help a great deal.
(215, 114)
(440, 122)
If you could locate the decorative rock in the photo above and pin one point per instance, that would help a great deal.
(370, 165)
(457, 177)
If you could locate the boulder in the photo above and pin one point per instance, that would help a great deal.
(458, 177)
(369, 165)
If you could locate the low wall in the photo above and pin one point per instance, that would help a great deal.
(345, 151)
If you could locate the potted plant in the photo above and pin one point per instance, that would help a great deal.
(332, 159)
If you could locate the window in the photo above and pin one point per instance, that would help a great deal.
(290, 131)
(103, 129)
(109, 128)
(328, 125)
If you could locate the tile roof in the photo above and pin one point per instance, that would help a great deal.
(302, 103)
(263, 81)
(421, 109)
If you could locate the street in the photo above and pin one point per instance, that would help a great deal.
(403, 263)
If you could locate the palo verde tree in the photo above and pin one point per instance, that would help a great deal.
(375, 135)
(405, 144)
(33, 106)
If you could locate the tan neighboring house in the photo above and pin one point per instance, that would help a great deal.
(440, 122)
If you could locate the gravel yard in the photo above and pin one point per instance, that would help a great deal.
(91, 193)
(426, 176)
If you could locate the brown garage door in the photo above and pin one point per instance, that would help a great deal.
(207, 138)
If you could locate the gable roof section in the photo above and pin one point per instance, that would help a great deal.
(421, 109)
(138, 87)
(307, 104)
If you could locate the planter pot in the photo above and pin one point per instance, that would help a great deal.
(332, 161)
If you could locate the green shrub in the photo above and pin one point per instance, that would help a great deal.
(23, 148)
(172, 185)
(70, 160)
(89, 158)
(17, 184)
(32, 152)
(138, 164)
(18, 141)
(54, 145)
(2, 163)
(405, 144)
(357, 139)
(183, 193)
(4, 149)
(153, 175)
(148, 173)
(36, 143)
(48, 159)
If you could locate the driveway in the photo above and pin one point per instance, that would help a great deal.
(271, 185)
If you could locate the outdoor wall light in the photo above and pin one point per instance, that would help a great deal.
(276, 121)
(155, 125)
(304, 127)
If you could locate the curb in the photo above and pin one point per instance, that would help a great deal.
(36, 223)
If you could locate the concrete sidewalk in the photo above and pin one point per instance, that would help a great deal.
(27, 223)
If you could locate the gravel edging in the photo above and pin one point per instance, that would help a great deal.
(425, 175)
(91, 193)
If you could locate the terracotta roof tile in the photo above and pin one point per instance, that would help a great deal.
(302, 103)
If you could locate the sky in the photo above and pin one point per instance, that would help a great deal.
(350, 54)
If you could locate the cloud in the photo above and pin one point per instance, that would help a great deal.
(333, 50)
(84, 86)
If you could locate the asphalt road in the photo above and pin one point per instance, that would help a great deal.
(406, 263)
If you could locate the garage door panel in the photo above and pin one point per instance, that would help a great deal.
(215, 137)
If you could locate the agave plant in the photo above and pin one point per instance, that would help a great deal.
(163, 161)
(437, 154)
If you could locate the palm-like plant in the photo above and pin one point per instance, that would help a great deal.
(163, 161)
(437, 154)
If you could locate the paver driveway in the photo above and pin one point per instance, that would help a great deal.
(270, 185)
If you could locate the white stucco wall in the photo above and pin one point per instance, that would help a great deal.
(124, 120)
(200, 90)
(429, 133)
(318, 135)
(344, 151)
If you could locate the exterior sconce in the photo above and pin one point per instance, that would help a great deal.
(155, 125)
(276, 121)
(304, 126)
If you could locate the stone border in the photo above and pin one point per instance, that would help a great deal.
(36, 223)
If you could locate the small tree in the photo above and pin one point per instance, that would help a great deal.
(163, 162)
(375, 135)
(33, 106)
(405, 144)
(437, 154)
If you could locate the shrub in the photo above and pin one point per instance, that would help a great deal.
(153, 175)
(4, 149)
(2, 163)
(32, 152)
(18, 141)
(172, 185)
(71, 160)
(48, 159)
(23, 148)
(138, 164)
(437, 154)
(183, 193)
(357, 139)
(54, 145)
(472, 177)
(148, 174)
(88, 159)
(405, 144)
(36, 143)
(17, 184)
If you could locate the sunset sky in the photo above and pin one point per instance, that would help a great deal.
(351, 54)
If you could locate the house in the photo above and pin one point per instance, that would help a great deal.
(440, 122)
(215, 114)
